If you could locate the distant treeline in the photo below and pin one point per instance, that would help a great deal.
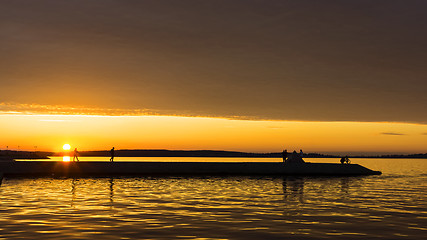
(7, 155)
(191, 153)
(175, 153)
(230, 154)
(418, 155)
(10, 154)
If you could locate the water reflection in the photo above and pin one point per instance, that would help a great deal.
(73, 191)
(345, 182)
(111, 191)
(293, 189)
(75, 186)
(381, 207)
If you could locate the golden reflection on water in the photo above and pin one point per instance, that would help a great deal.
(390, 206)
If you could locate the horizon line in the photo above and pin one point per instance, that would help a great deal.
(234, 151)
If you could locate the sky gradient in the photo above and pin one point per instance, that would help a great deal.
(50, 132)
(360, 62)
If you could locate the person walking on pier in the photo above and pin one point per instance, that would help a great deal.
(112, 155)
(75, 157)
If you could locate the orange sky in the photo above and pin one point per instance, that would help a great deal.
(50, 132)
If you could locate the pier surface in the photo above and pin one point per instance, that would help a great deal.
(58, 168)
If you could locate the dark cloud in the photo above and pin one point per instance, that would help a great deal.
(392, 134)
(293, 60)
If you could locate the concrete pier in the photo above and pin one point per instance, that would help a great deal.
(57, 168)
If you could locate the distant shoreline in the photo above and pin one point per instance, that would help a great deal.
(9, 154)
(227, 154)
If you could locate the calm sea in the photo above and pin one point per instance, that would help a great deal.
(390, 206)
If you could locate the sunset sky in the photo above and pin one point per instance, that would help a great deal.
(324, 76)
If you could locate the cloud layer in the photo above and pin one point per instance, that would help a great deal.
(290, 60)
(393, 133)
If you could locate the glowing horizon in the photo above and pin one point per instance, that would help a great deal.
(89, 132)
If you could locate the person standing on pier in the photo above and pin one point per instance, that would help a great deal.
(112, 155)
(75, 157)
(284, 155)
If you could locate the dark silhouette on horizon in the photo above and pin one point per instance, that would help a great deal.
(112, 155)
(345, 160)
(295, 158)
(284, 155)
(6, 155)
(189, 153)
(75, 157)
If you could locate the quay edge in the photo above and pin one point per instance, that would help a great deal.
(57, 168)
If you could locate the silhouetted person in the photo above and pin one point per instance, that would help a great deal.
(284, 155)
(75, 155)
(112, 155)
(301, 153)
(295, 158)
(347, 160)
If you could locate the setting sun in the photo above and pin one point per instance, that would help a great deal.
(66, 147)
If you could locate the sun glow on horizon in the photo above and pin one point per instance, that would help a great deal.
(195, 133)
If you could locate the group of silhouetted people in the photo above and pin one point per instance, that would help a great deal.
(76, 155)
(345, 160)
(295, 157)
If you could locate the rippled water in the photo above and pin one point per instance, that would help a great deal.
(389, 206)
